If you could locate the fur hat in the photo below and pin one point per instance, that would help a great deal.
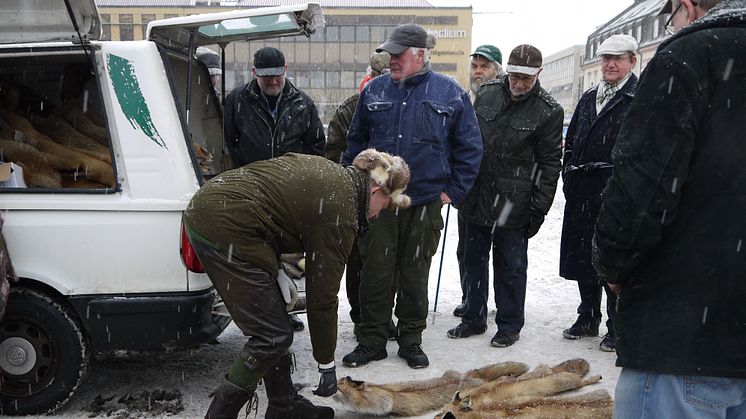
(389, 172)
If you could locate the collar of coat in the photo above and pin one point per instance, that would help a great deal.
(253, 91)
(415, 78)
(361, 181)
(727, 13)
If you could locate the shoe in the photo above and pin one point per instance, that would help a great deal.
(393, 330)
(464, 330)
(503, 339)
(363, 355)
(283, 398)
(296, 323)
(608, 343)
(459, 310)
(414, 355)
(582, 328)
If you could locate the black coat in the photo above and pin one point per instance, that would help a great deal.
(522, 156)
(672, 227)
(252, 134)
(586, 169)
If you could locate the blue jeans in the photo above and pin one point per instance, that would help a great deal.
(641, 395)
(510, 254)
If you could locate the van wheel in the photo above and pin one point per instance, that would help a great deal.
(43, 354)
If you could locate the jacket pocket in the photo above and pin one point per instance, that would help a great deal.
(435, 120)
(380, 121)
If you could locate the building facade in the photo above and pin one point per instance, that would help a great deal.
(330, 64)
(563, 78)
(641, 21)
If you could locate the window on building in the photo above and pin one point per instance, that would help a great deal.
(317, 79)
(378, 34)
(332, 79)
(363, 34)
(126, 28)
(105, 26)
(170, 15)
(146, 18)
(347, 34)
(332, 34)
(348, 80)
(318, 36)
(302, 79)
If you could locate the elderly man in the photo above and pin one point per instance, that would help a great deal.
(427, 119)
(486, 65)
(269, 117)
(240, 223)
(587, 168)
(670, 233)
(521, 126)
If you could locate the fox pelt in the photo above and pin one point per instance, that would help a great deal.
(530, 395)
(414, 398)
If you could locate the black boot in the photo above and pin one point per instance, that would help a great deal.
(284, 400)
(585, 326)
(228, 401)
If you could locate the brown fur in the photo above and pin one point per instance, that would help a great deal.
(516, 394)
(413, 398)
(62, 132)
(37, 172)
(72, 113)
(594, 405)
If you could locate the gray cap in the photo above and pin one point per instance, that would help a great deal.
(379, 61)
(403, 37)
(618, 45)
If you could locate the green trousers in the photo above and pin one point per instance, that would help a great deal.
(397, 250)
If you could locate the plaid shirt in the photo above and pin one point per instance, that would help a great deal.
(607, 91)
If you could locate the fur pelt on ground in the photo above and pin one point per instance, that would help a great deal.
(531, 396)
(413, 398)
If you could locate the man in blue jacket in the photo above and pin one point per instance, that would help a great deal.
(427, 119)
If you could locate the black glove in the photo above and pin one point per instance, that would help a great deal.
(535, 220)
(327, 382)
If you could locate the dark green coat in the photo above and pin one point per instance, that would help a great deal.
(522, 156)
(291, 204)
(336, 141)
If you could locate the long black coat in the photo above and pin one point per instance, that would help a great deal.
(586, 169)
(672, 227)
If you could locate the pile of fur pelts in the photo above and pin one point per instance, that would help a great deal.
(505, 390)
(65, 149)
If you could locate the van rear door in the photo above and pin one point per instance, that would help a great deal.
(23, 21)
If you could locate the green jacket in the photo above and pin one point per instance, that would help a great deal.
(290, 204)
(336, 140)
(522, 156)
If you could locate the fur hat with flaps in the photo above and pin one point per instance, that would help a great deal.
(389, 172)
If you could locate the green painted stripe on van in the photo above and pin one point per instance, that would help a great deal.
(127, 88)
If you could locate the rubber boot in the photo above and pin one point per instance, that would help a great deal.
(284, 400)
(228, 401)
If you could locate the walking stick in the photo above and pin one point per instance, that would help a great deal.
(442, 254)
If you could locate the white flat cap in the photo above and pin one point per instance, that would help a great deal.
(618, 45)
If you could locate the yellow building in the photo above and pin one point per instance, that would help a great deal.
(329, 65)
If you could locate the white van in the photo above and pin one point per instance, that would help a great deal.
(105, 135)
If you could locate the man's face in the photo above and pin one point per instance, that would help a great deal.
(520, 84)
(378, 201)
(270, 85)
(616, 67)
(481, 71)
(406, 64)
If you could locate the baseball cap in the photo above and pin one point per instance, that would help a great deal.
(490, 52)
(524, 59)
(403, 37)
(269, 61)
(618, 45)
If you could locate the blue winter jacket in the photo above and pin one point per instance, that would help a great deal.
(428, 120)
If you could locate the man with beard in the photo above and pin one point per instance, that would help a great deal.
(521, 125)
(586, 170)
(486, 65)
(670, 233)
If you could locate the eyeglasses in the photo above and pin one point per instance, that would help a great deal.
(670, 29)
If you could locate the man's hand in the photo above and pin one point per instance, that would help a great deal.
(535, 220)
(288, 289)
(615, 288)
(444, 198)
(327, 382)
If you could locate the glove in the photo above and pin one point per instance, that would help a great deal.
(288, 289)
(327, 382)
(535, 220)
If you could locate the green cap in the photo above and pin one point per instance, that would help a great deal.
(490, 52)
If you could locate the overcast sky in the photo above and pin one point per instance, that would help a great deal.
(549, 25)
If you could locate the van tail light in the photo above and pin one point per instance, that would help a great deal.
(188, 255)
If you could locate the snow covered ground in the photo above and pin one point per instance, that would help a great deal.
(550, 306)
